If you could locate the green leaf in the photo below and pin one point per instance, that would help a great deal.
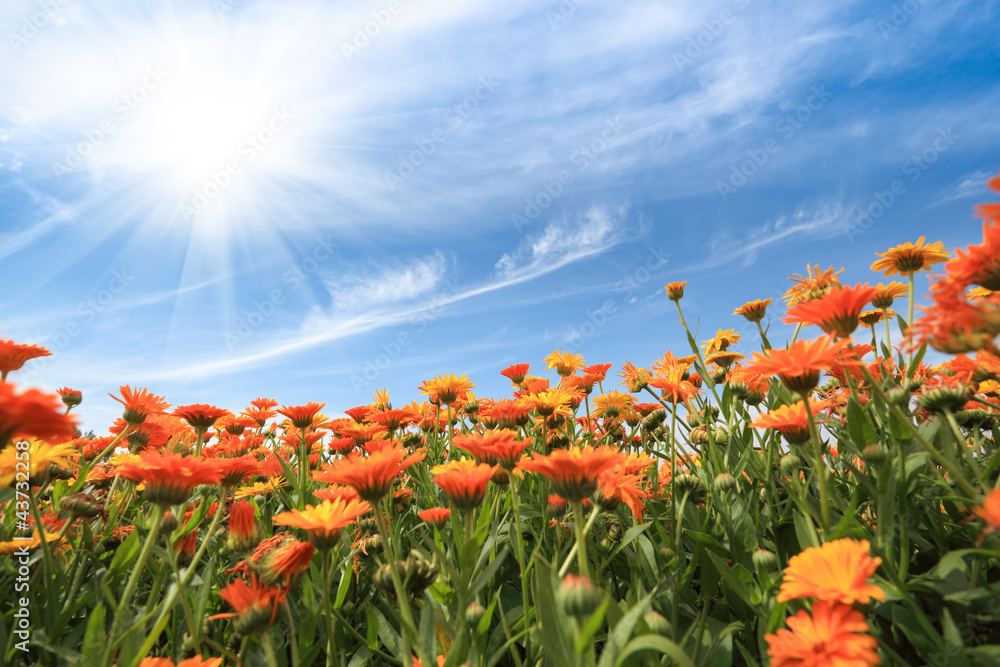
(551, 635)
(388, 633)
(372, 628)
(127, 552)
(360, 658)
(593, 624)
(652, 642)
(459, 651)
(619, 637)
(426, 634)
(345, 585)
(96, 638)
(917, 358)
(487, 573)
(195, 520)
(858, 427)
(630, 535)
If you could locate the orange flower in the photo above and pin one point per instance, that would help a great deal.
(903, 259)
(139, 404)
(323, 522)
(616, 486)
(573, 472)
(282, 565)
(634, 378)
(357, 413)
(170, 477)
(799, 366)
(673, 387)
(464, 482)
(516, 373)
(835, 636)
(836, 312)
(954, 324)
(259, 415)
(236, 471)
(264, 403)
(747, 385)
(336, 492)
(675, 290)
(241, 526)
(393, 420)
(989, 511)
(436, 516)
(32, 414)
(446, 389)
(834, 572)
(371, 476)
(196, 661)
(811, 287)
(601, 370)
(790, 420)
(565, 363)
(70, 397)
(301, 416)
(200, 416)
(753, 311)
(978, 264)
(493, 447)
(13, 355)
(256, 604)
(508, 413)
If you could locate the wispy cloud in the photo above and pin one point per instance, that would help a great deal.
(380, 300)
(824, 219)
(363, 289)
(970, 185)
(563, 242)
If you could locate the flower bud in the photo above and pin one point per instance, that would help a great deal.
(790, 464)
(657, 624)
(474, 613)
(724, 483)
(169, 524)
(692, 486)
(765, 561)
(578, 596)
(83, 504)
(874, 454)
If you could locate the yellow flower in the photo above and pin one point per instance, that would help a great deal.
(908, 257)
(565, 363)
(835, 572)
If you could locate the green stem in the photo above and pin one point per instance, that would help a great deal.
(331, 640)
(265, 641)
(953, 472)
(909, 320)
(824, 494)
(167, 604)
(581, 539)
(133, 581)
(409, 626)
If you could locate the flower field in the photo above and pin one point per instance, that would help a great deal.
(830, 500)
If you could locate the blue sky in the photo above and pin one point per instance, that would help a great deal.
(225, 199)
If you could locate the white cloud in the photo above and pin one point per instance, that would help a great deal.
(822, 220)
(563, 241)
(356, 291)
